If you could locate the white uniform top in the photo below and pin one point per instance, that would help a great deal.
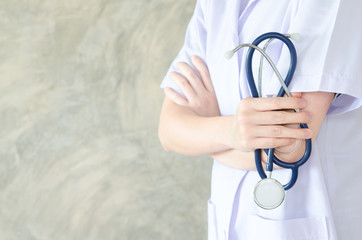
(325, 203)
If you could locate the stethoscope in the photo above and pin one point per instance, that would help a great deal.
(269, 193)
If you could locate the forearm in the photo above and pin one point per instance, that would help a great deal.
(245, 160)
(320, 103)
(184, 132)
(237, 159)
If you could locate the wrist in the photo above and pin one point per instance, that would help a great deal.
(230, 128)
(292, 152)
(290, 148)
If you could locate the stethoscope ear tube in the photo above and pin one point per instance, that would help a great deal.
(250, 53)
(268, 192)
(293, 63)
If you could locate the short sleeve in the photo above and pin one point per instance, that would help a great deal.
(329, 52)
(344, 58)
(194, 44)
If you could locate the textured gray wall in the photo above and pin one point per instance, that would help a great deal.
(79, 108)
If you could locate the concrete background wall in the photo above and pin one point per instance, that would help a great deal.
(79, 108)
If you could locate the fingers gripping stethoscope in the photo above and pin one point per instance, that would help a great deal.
(269, 193)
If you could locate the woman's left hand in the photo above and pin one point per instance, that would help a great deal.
(197, 88)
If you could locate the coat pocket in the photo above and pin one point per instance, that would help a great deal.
(212, 226)
(292, 229)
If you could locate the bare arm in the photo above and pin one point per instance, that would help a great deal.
(184, 130)
(181, 130)
(194, 126)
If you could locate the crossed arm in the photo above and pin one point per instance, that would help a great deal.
(193, 126)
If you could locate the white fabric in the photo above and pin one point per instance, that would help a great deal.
(326, 201)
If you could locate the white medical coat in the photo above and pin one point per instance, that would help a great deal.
(325, 203)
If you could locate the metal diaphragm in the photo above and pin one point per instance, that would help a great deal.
(269, 193)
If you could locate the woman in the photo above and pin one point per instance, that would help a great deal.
(208, 110)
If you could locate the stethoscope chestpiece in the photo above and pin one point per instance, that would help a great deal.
(269, 193)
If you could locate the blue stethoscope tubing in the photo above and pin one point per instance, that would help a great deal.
(270, 152)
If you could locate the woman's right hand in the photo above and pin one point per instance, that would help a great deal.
(260, 123)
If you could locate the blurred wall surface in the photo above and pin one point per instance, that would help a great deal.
(79, 109)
